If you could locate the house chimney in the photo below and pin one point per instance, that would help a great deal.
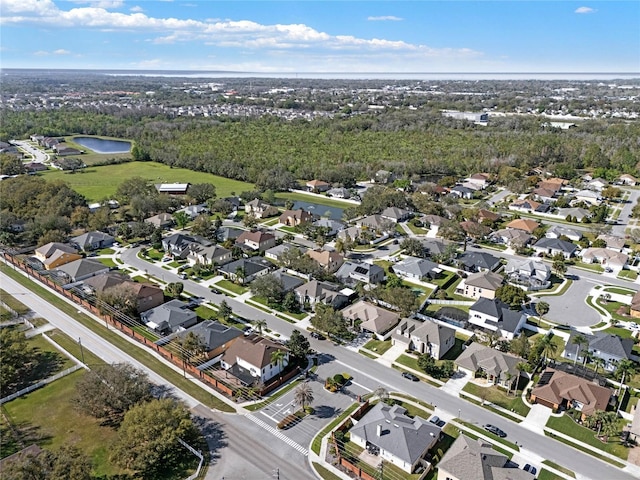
(379, 430)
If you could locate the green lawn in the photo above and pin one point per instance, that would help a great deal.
(595, 267)
(74, 347)
(206, 313)
(232, 287)
(97, 183)
(628, 274)
(547, 475)
(499, 397)
(278, 308)
(106, 251)
(558, 467)
(416, 230)
(612, 308)
(378, 346)
(493, 437)
(324, 473)
(13, 303)
(329, 202)
(47, 417)
(567, 426)
(107, 262)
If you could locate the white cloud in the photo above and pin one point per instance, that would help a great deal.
(41, 53)
(215, 32)
(61, 51)
(585, 10)
(101, 3)
(385, 18)
(137, 9)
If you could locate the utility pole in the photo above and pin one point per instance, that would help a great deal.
(276, 474)
(381, 469)
(81, 350)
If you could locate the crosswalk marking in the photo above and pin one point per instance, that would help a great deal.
(278, 434)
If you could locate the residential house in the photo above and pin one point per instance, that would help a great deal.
(554, 246)
(588, 196)
(374, 319)
(64, 150)
(487, 216)
(606, 346)
(331, 227)
(608, 258)
(177, 245)
(216, 338)
(397, 438)
(377, 223)
(292, 218)
(511, 237)
(579, 214)
(250, 360)
(276, 253)
(478, 261)
(209, 254)
(260, 209)
(172, 188)
(147, 295)
(192, 211)
(556, 231)
(350, 273)
(528, 273)
(528, 206)
(246, 270)
(496, 316)
(45, 251)
(597, 184)
(93, 241)
(33, 167)
(384, 177)
(559, 390)
(82, 269)
(435, 247)
(434, 222)
(162, 220)
(524, 224)
(499, 368)
(613, 242)
(626, 179)
(414, 268)
(474, 229)
(469, 459)
(171, 317)
(544, 195)
(230, 234)
(330, 260)
(396, 214)
(320, 292)
(354, 233)
(481, 284)
(288, 282)
(461, 191)
(480, 180)
(424, 337)
(339, 192)
(317, 186)
(257, 240)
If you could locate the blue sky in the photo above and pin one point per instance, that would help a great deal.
(322, 36)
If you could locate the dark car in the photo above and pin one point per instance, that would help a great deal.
(410, 376)
(317, 336)
(495, 430)
(530, 468)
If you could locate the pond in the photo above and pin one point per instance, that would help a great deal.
(333, 213)
(100, 145)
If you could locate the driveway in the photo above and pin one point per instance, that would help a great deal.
(571, 308)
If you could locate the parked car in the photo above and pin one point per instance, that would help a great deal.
(410, 376)
(318, 336)
(530, 468)
(435, 419)
(495, 430)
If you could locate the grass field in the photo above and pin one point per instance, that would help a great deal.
(499, 397)
(47, 417)
(97, 183)
(320, 200)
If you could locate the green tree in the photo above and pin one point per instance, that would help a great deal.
(542, 308)
(327, 319)
(270, 287)
(298, 346)
(202, 192)
(190, 346)
(559, 267)
(65, 463)
(109, 391)
(260, 325)
(181, 218)
(624, 369)
(119, 298)
(278, 358)
(15, 356)
(547, 347)
(174, 289)
(202, 226)
(224, 310)
(579, 341)
(381, 394)
(520, 346)
(11, 165)
(250, 220)
(303, 395)
(413, 247)
(147, 440)
(511, 295)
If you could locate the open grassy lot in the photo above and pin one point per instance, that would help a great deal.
(47, 418)
(13, 303)
(97, 183)
(499, 397)
(378, 346)
(320, 200)
(232, 287)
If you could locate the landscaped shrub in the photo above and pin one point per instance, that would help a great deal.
(339, 378)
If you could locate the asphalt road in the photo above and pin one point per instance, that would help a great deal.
(620, 227)
(37, 154)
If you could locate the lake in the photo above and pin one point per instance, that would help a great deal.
(333, 213)
(100, 145)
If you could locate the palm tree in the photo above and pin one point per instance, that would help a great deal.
(560, 267)
(548, 347)
(191, 345)
(278, 357)
(625, 369)
(260, 325)
(303, 395)
(579, 340)
(542, 308)
(600, 362)
(240, 274)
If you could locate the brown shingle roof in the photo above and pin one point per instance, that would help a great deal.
(254, 350)
(523, 224)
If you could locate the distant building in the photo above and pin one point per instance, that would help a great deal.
(480, 118)
(172, 188)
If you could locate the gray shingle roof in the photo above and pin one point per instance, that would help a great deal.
(170, 316)
(555, 244)
(508, 319)
(213, 334)
(479, 259)
(492, 361)
(414, 266)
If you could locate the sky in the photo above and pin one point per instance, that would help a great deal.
(322, 36)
